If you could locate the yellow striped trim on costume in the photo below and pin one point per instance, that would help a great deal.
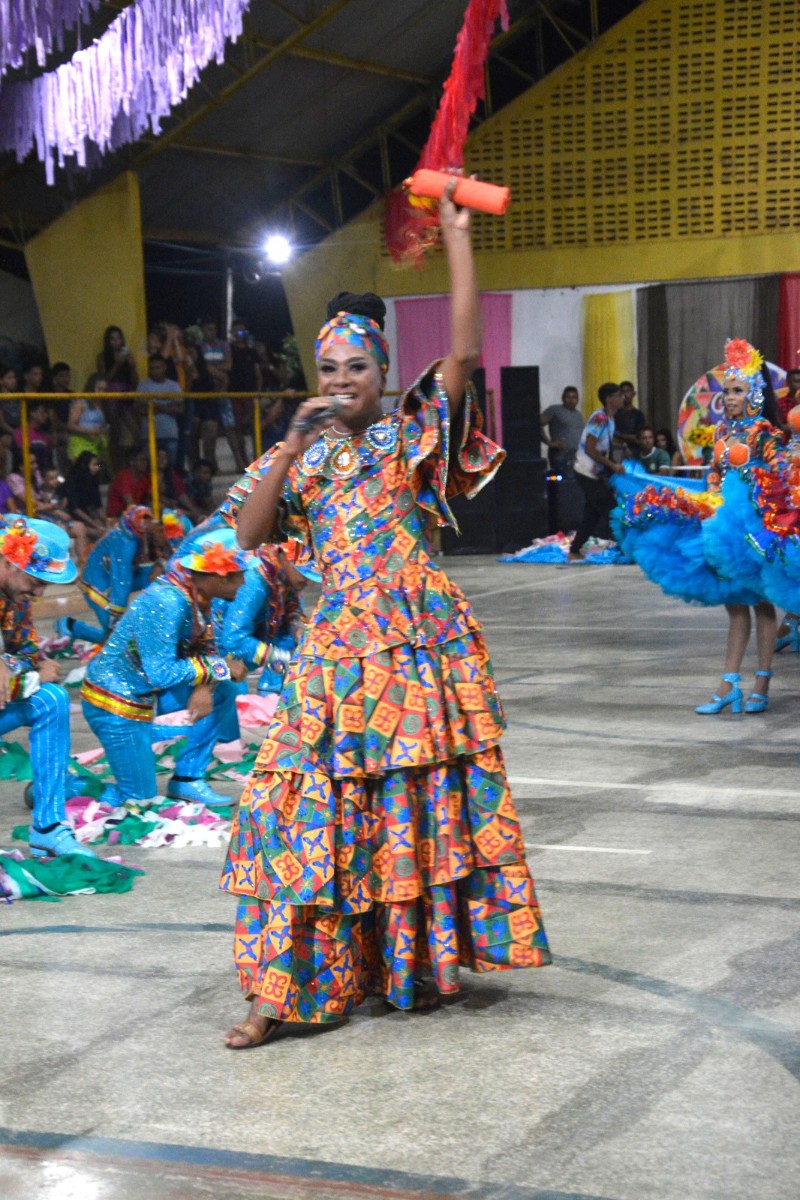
(132, 710)
(261, 654)
(98, 598)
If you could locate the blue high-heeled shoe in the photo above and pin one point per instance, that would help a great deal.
(717, 703)
(790, 639)
(758, 701)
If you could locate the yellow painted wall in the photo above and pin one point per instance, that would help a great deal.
(87, 271)
(669, 149)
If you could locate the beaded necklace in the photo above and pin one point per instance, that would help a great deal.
(346, 454)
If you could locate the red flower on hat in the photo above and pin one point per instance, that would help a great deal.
(18, 545)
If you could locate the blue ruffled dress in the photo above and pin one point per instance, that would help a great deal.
(701, 546)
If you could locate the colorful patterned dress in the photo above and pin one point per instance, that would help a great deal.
(377, 837)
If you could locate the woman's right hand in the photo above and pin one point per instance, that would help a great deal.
(296, 441)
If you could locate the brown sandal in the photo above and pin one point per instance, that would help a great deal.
(254, 1033)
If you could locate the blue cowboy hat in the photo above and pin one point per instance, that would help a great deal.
(39, 548)
(204, 555)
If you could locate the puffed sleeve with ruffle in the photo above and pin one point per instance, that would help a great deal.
(292, 519)
(445, 457)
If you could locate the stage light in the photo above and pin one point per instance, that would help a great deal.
(278, 249)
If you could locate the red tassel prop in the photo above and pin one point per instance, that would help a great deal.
(409, 231)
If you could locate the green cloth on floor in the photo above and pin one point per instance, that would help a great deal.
(15, 762)
(72, 874)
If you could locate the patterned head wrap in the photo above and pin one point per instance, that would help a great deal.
(135, 519)
(743, 362)
(353, 329)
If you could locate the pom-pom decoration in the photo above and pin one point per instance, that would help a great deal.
(793, 419)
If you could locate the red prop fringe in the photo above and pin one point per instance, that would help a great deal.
(411, 228)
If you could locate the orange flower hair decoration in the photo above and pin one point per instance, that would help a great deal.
(743, 358)
(743, 361)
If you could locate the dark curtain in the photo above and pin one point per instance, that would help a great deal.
(682, 329)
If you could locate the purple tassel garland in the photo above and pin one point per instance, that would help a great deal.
(123, 85)
(39, 24)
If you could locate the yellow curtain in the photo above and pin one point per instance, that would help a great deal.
(609, 343)
(87, 271)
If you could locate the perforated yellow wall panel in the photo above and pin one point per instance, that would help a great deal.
(681, 122)
(669, 149)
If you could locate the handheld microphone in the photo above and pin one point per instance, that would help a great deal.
(306, 424)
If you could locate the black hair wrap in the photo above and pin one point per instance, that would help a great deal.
(364, 304)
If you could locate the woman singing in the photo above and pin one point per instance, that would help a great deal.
(376, 846)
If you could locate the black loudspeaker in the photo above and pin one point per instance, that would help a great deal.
(477, 522)
(522, 432)
(511, 510)
(520, 503)
(521, 488)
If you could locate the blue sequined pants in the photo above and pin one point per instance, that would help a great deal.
(128, 745)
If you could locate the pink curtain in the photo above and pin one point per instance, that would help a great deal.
(423, 334)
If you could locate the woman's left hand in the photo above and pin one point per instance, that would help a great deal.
(451, 217)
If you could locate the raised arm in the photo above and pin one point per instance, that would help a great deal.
(465, 312)
(257, 516)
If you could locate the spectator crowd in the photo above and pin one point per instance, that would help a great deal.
(89, 455)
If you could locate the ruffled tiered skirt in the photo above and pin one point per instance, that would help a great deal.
(696, 552)
(377, 841)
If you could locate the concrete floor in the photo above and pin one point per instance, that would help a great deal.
(656, 1060)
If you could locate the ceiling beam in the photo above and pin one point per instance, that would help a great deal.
(287, 12)
(221, 98)
(391, 127)
(348, 64)
(558, 27)
(253, 155)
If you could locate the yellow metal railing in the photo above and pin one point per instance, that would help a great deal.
(257, 399)
(150, 399)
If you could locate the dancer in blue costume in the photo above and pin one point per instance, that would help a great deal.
(32, 554)
(263, 625)
(114, 570)
(165, 644)
(698, 545)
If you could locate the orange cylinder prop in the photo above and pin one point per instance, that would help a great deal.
(470, 193)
